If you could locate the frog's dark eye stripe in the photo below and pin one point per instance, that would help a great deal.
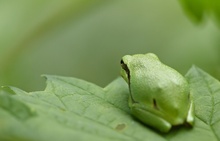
(125, 67)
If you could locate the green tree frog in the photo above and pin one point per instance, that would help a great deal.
(159, 95)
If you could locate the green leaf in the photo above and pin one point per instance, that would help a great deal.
(73, 109)
(206, 96)
(198, 9)
(68, 109)
(195, 8)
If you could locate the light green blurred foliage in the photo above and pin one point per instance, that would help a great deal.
(86, 39)
(200, 9)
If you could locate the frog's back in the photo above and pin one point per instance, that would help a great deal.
(155, 78)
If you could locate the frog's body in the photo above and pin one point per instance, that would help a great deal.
(159, 95)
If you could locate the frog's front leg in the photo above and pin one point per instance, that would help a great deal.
(149, 118)
(190, 117)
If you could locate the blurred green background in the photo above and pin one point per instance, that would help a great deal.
(87, 38)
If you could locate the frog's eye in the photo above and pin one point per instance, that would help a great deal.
(125, 68)
(122, 62)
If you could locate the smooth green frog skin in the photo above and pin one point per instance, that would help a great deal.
(159, 95)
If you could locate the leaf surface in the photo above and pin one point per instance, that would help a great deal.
(71, 108)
